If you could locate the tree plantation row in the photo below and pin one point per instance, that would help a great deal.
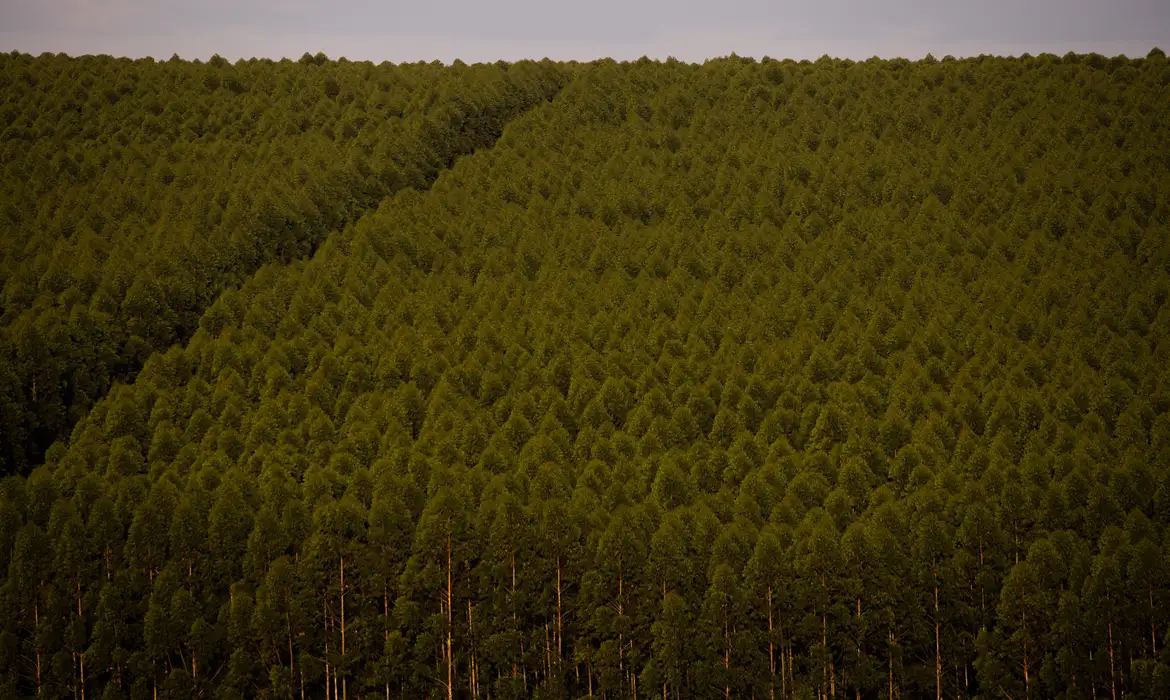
(745, 379)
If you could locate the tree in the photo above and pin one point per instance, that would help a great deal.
(670, 646)
(338, 530)
(28, 577)
(440, 549)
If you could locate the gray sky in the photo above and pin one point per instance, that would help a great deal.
(475, 30)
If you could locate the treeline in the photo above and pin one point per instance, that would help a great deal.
(134, 192)
(749, 379)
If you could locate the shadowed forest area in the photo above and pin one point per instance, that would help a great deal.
(134, 192)
(753, 379)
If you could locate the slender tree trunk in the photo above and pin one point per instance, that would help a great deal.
(937, 650)
(325, 619)
(560, 618)
(547, 654)
(791, 670)
(474, 680)
(982, 594)
(621, 640)
(825, 655)
(450, 625)
(515, 623)
(81, 654)
(1027, 679)
(783, 661)
(857, 682)
(1153, 633)
(771, 651)
(385, 618)
(890, 655)
(727, 656)
(292, 667)
(344, 694)
(1112, 670)
(783, 672)
(36, 648)
(1090, 679)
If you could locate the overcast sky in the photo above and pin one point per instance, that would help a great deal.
(479, 30)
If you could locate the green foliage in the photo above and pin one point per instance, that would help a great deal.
(765, 379)
(135, 192)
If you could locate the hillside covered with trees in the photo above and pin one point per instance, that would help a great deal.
(763, 379)
(134, 192)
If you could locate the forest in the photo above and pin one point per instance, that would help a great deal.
(762, 379)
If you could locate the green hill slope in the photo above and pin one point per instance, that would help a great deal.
(134, 192)
(742, 379)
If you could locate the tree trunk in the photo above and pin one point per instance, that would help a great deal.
(857, 682)
(825, 657)
(385, 630)
(791, 670)
(890, 655)
(560, 618)
(1153, 633)
(515, 622)
(81, 654)
(450, 625)
(937, 650)
(727, 656)
(547, 654)
(982, 594)
(1027, 680)
(471, 674)
(344, 694)
(37, 649)
(325, 620)
(292, 667)
(621, 640)
(1112, 670)
(771, 651)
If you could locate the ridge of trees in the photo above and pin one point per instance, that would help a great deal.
(749, 379)
(136, 191)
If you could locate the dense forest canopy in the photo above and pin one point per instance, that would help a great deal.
(134, 192)
(764, 379)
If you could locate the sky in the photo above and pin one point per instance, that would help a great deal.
(487, 30)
